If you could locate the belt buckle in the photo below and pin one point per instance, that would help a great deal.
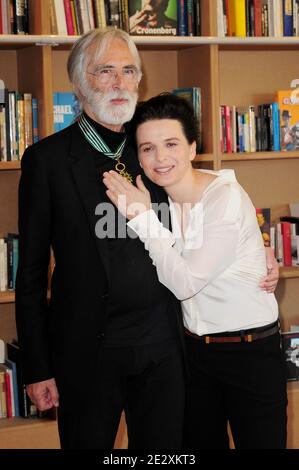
(207, 339)
(249, 338)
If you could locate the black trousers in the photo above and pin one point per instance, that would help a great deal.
(243, 383)
(148, 382)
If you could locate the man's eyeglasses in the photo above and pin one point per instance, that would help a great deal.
(106, 74)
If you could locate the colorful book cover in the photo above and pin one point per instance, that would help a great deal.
(152, 18)
(288, 103)
(264, 222)
(66, 108)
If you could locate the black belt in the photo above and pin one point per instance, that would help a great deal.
(241, 336)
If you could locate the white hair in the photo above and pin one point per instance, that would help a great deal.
(78, 57)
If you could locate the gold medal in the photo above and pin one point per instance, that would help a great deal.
(121, 169)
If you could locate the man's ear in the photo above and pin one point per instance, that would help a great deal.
(192, 151)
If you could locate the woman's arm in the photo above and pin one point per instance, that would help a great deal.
(212, 245)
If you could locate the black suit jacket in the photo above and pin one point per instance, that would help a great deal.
(58, 194)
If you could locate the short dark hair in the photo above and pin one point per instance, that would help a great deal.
(167, 106)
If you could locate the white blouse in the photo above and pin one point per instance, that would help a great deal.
(215, 266)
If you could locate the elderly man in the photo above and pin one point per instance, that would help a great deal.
(111, 337)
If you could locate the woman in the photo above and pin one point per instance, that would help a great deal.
(213, 261)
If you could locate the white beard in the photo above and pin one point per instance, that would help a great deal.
(99, 103)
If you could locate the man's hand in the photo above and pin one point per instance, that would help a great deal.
(129, 199)
(269, 282)
(44, 394)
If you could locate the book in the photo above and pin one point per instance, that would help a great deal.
(24, 402)
(264, 222)
(193, 96)
(294, 234)
(288, 103)
(286, 242)
(12, 365)
(290, 346)
(35, 120)
(158, 19)
(66, 108)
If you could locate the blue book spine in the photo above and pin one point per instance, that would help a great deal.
(182, 18)
(276, 128)
(287, 18)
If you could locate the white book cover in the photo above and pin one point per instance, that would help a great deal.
(60, 17)
(279, 245)
(3, 265)
(294, 246)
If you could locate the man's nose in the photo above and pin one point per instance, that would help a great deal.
(118, 79)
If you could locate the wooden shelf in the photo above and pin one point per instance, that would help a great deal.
(29, 433)
(204, 157)
(288, 272)
(15, 165)
(293, 387)
(7, 297)
(293, 415)
(25, 423)
(16, 40)
(238, 157)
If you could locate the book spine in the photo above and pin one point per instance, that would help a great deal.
(240, 17)
(286, 238)
(287, 18)
(35, 120)
(7, 120)
(69, 17)
(257, 17)
(294, 245)
(182, 18)
(279, 245)
(20, 13)
(228, 130)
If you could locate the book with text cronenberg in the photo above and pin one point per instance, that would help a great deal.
(153, 19)
(66, 109)
(288, 104)
(290, 345)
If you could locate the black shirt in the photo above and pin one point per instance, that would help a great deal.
(140, 309)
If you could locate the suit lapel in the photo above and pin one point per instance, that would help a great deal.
(84, 175)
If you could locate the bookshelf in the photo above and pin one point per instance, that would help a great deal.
(229, 71)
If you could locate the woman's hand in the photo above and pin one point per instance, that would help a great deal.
(269, 282)
(129, 199)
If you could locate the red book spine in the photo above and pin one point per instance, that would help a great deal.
(228, 130)
(69, 17)
(8, 395)
(1, 27)
(258, 17)
(286, 240)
